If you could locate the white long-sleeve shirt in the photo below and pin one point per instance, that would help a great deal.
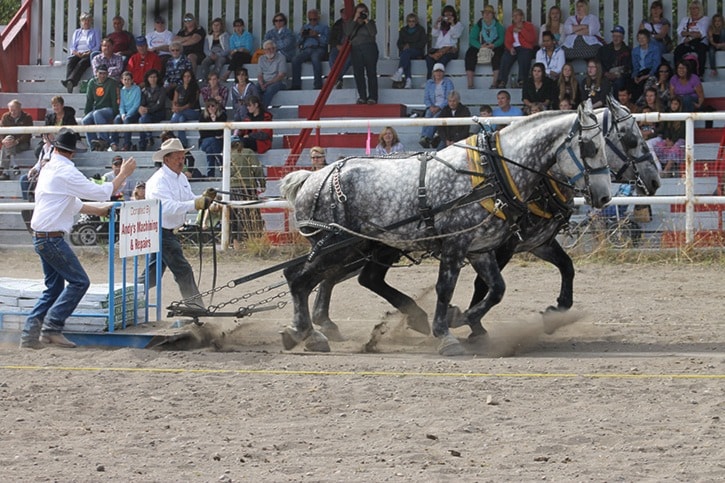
(174, 192)
(58, 194)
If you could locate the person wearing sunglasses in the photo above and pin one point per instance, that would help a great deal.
(282, 36)
(191, 37)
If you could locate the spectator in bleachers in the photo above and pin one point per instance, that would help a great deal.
(312, 46)
(504, 108)
(101, 107)
(649, 131)
(388, 142)
(670, 145)
(143, 61)
(361, 31)
(486, 111)
(446, 32)
(337, 38)
(566, 104)
(124, 191)
(29, 180)
(538, 88)
(127, 111)
(214, 90)
(661, 84)
(594, 85)
(692, 32)
(258, 140)
(160, 38)
(536, 107)
(59, 115)
(616, 59)
(435, 98)
(652, 101)
(487, 32)
(583, 37)
(646, 58)
(658, 26)
(216, 49)
(318, 158)
(451, 134)
(554, 25)
(84, 42)
(175, 65)
(246, 182)
(152, 108)
(686, 84)
(519, 45)
(113, 62)
(185, 105)
(568, 87)
(124, 42)
(139, 191)
(242, 90)
(282, 36)
(191, 37)
(211, 141)
(716, 40)
(13, 143)
(272, 72)
(550, 55)
(624, 96)
(241, 48)
(412, 40)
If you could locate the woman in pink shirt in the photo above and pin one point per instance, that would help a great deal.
(687, 86)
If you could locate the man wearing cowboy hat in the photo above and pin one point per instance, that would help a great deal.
(171, 186)
(58, 194)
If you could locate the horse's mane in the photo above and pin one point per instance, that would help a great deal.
(535, 119)
(292, 183)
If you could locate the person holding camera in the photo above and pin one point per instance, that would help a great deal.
(446, 32)
(362, 31)
(312, 42)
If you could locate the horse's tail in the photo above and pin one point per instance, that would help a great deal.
(292, 183)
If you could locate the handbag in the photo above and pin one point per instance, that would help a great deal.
(485, 54)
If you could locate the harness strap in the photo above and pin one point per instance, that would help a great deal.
(424, 208)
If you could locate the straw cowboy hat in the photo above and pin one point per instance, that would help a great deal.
(172, 145)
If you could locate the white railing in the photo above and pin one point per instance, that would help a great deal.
(52, 24)
(689, 199)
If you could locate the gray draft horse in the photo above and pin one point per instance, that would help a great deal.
(630, 161)
(441, 204)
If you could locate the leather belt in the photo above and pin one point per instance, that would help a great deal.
(48, 234)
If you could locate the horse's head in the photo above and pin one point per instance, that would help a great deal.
(629, 156)
(581, 157)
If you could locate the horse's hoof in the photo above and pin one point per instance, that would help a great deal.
(291, 337)
(419, 323)
(332, 332)
(478, 338)
(317, 342)
(450, 346)
(455, 317)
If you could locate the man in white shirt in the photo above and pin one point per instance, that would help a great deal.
(171, 186)
(57, 200)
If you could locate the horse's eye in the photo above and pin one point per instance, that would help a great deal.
(629, 141)
(587, 148)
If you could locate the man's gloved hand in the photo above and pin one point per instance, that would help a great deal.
(202, 202)
(210, 193)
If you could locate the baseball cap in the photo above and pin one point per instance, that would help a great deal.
(141, 40)
(439, 66)
(619, 29)
(117, 160)
(102, 68)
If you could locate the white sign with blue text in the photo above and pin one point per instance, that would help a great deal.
(139, 228)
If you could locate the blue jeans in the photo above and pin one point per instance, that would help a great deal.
(270, 91)
(132, 119)
(314, 55)
(183, 116)
(406, 56)
(213, 148)
(172, 256)
(58, 301)
(149, 118)
(524, 56)
(99, 116)
(430, 131)
(334, 52)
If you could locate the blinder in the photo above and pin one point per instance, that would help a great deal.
(629, 141)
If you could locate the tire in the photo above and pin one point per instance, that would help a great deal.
(620, 235)
(84, 235)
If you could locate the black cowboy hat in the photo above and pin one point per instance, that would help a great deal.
(66, 140)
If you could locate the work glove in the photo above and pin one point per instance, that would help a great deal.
(210, 193)
(202, 202)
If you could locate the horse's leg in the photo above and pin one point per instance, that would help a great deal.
(372, 277)
(301, 279)
(448, 271)
(555, 254)
(487, 268)
(321, 307)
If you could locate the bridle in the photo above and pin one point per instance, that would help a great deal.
(629, 141)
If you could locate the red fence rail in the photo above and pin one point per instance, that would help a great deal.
(15, 47)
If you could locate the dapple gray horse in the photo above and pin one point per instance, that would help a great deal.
(438, 204)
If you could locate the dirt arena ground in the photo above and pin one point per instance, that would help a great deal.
(633, 389)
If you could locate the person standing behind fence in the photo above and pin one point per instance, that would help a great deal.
(246, 182)
(85, 41)
(361, 31)
(58, 194)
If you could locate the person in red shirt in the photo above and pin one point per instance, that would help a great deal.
(143, 61)
(519, 43)
(123, 40)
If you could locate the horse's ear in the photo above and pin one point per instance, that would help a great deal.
(587, 106)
